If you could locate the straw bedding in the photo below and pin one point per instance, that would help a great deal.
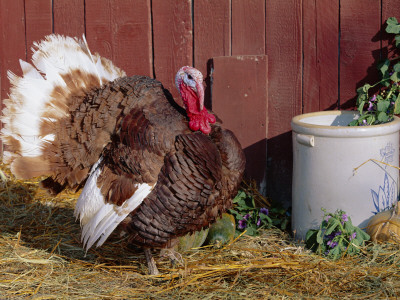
(41, 258)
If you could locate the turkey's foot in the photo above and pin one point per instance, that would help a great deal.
(173, 255)
(151, 262)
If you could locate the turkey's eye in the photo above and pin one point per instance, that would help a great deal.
(190, 77)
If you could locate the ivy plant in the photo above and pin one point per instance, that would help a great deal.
(251, 218)
(336, 237)
(378, 102)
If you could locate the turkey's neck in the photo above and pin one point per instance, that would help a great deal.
(200, 119)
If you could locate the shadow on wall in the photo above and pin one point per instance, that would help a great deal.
(372, 72)
(256, 161)
(279, 168)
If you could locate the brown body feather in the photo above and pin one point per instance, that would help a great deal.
(143, 138)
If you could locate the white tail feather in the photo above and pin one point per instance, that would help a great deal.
(31, 95)
(99, 219)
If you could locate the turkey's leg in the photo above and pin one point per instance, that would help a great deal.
(173, 255)
(151, 262)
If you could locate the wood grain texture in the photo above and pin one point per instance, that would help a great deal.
(248, 27)
(121, 31)
(320, 55)
(359, 46)
(39, 22)
(284, 39)
(12, 41)
(240, 99)
(390, 8)
(173, 40)
(69, 17)
(212, 31)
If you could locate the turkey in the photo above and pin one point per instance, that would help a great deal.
(143, 164)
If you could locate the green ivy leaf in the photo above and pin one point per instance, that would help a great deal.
(383, 117)
(397, 105)
(392, 26)
(397, 41)
(251, 231)
(395, 77)
(332, 224)
(382, 106)
(384, 66)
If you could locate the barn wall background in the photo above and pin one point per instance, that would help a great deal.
(265, 61)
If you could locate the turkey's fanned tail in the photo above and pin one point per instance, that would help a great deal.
(63, 68)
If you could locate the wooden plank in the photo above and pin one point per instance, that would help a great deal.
(284, 44)
(320, 55)
(390, 8)
(121, 31)
(39, 22)
(69, 17)
(240, 99)
(12, 41)
(212, 31)
(173, 40)
(248, 27)
(359, 46)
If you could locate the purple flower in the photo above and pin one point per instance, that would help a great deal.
(332, 244)
(258, 222)
(371, 106)
(364, 123)
(344, 218)
(373, 99)
(246, 216)
(338, 233)
(264, 211)
(327, 218)
(353, 236)
(242, 224)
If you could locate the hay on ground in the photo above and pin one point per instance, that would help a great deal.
(41, 258)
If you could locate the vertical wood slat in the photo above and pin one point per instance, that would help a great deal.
(12, 41)
(283, 33)
(390, 8)
(248, 27)
(69, 17)
(320, 55)
(121, 31)
(212, 31)
(173, 40)
(39, 22)
(242, 104)
(359, 46)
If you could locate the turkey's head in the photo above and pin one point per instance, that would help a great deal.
(189, 82)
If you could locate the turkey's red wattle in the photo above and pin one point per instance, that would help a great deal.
(200, 118)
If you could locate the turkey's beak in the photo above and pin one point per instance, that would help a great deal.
(200, 94)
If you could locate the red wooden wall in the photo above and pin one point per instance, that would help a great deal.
(318, 53)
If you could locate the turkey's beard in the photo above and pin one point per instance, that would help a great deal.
(199, 117)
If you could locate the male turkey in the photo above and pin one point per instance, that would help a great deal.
(144, 164)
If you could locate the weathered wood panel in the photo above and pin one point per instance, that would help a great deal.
(312, 62)
(121, 31)
(248, 27)
(211, 33)
(69, 17)
(320, 55)
(242, 104)
(12, 41)
(390, 8)
(173, 40)
(284, 38)
(39, 22)
(359, 46)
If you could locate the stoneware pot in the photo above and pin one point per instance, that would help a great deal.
(326, 153)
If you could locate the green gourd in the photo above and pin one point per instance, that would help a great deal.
(222, 231)
(219, 233)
